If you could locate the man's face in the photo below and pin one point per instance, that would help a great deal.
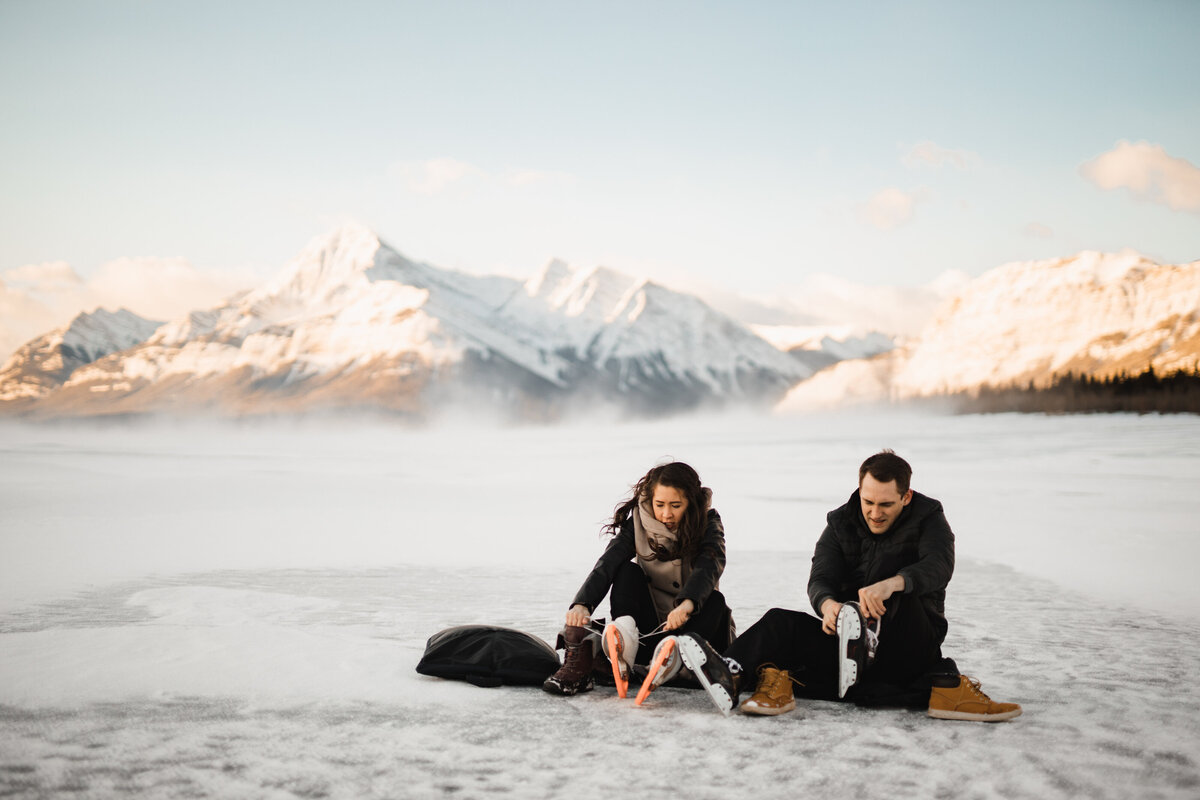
(881, 503)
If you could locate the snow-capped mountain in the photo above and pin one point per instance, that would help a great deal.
(1093, 314)
(351, 323)
(819, 346)
(646, 339)
(1096, 314)
(45, 363)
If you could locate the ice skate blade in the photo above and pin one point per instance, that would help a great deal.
(847, 675)
(612, 646)
(849, 632)
(649, 685)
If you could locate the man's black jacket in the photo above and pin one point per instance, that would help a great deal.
(918, 546)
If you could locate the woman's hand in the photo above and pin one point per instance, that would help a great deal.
(679, 615)
(578, 615)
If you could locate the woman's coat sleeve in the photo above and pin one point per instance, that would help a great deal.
(708, 566)
(600, 579)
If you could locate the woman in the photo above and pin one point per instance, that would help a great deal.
(661, 571)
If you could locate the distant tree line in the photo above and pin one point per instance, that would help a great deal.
(1176, 392)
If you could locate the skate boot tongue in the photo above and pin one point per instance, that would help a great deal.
(871, 632)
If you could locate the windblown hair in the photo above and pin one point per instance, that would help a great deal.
(690, 530)
(885, 467)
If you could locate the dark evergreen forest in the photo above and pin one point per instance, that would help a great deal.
(1177, 392)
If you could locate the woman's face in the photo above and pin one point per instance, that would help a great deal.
(669, 505)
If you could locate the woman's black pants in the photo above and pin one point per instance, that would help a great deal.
(630, 596)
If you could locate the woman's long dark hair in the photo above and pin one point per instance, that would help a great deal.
(690, 530)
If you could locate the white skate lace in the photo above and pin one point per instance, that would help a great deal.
(734, 667)
(596, 627)
(661, 627)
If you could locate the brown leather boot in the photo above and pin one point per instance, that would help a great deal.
(575, 675)
(959, 697)
(773, 695)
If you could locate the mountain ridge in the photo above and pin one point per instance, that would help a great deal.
(351, 323)
(47, 361)
(1022, 323)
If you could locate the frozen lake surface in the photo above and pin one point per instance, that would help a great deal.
(237, 611)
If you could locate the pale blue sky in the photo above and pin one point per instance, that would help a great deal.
(739, 144)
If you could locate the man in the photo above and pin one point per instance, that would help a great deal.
(878, 581)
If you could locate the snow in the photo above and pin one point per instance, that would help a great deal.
(95, 335)
(237, 611)
(846, 384)
(603, 314)
(36, 368)
(1092, 313)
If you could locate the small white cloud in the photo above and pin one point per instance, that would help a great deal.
(22, 317)
(1149, 173)
(433, 176)
(930, 154)
(890, 208)
(1037, 230)
(48, 276)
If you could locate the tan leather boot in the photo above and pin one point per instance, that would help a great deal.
(773, 695)
(961, 698)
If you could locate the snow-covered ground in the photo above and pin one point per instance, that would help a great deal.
(237, 611)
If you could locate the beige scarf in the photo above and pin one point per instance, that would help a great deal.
(667, 578)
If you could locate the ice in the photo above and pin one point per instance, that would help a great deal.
(238, 610)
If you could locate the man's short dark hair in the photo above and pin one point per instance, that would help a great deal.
(885, 467)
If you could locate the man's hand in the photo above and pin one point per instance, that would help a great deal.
(679, 615)
(829, 612)
(871, 598)
(578, 615)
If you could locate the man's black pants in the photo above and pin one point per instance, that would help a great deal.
(909, 648)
